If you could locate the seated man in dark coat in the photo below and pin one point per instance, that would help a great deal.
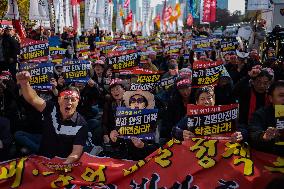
(64, 129)
(263, 128)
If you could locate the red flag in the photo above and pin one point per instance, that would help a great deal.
(213, 11)
(209, 11)
(168, 13)
(126, 3)
(75, 4)
(128, 19)
(19, 29)
(189, 20)
(206, 11)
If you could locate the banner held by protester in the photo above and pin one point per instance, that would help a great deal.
(41, 74)
(146, 82)
(206, 72)
(248, 169)
(76, 70)
(212, 120)
(136, 123)
(35, 50)
(123, 60)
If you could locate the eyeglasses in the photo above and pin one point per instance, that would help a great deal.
(138, 100)
(73, 99)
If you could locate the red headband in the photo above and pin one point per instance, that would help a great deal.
(184, 82)
(69, 93)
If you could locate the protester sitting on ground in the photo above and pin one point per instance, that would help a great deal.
(264, 130)
(205, 97)
(64, 129)
(70, 53)
(177, 104)
(250, 92)
(173, 69)
(135, 148)
(97, 80)
(112, 101)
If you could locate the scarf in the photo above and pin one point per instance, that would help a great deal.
(252, 103)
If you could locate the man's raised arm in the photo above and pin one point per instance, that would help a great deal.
(28, 92)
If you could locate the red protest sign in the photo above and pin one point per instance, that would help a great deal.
(212, 120)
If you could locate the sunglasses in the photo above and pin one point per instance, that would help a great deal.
(138, 100)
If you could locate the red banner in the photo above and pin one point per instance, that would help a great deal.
(213, 11)
(198, 163)
(209, 11)
(212, 120)
(75, 4)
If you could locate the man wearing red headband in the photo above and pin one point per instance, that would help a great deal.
(64, 129)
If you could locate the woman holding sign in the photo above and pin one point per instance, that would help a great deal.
(135, 148)
(205, 97)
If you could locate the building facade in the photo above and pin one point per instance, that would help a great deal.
(222, 4)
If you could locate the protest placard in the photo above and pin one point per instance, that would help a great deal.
(41, 74)
(56, 53)
(76, 70)
(54, 41)
(35, 50)
(202, 43)
(146, 82)
(227, 47)
(212, 120)
(122, 60)
(136, 123)
(206, 72)
(189, 44)
(83, 47)
(168, 82)
(173, 49)
(279, 116)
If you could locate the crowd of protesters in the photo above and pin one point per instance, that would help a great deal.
(77, 117)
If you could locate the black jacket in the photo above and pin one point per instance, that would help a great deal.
(11, 48)
(261, 120)
(123, 148)
(175, 112)
(242, 94)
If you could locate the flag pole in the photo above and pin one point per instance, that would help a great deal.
(13, 9)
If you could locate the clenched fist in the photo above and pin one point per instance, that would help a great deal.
(23, 77)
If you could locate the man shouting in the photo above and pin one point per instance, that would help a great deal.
(64, 129)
